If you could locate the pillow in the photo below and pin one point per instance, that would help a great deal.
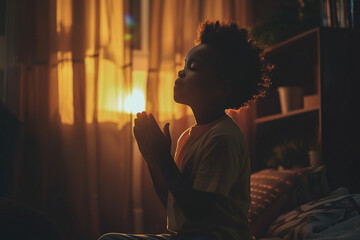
(314, 186)
(276, 191)
(271, 194)
(317, 217)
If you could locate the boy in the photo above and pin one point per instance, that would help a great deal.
(206, 186)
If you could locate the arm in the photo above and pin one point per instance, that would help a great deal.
(215, 176)
(155, 147)
(194, 204)
(159, 183)
(200, 201)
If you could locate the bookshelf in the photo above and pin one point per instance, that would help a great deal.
(284, 115)
(325, 62)
(340, 13)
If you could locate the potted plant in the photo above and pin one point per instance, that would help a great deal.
(290, 154)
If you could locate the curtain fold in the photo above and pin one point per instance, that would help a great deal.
(75, 156)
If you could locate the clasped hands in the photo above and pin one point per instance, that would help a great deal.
(154, 144)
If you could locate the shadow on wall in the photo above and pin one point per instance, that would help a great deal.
(17, 221)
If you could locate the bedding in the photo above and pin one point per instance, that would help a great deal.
(276, 191)
(336, 216)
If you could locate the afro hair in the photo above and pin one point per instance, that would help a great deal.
(239, 59)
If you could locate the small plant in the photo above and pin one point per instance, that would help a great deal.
(290, 154)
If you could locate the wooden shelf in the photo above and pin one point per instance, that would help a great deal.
(325, 62)
(292, 41)
(282, 115)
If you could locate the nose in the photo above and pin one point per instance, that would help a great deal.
(181, 74)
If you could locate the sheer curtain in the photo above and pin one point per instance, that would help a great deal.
(74, 63)
(173, 29)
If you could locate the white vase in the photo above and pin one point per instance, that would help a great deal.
(291, 98)
(315, 158)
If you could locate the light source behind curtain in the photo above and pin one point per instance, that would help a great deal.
(75, 67)
(100, 43)
(173, 26)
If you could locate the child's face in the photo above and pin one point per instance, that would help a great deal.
(197, 83)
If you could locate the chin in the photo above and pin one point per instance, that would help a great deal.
(178, 99)
(176, 96)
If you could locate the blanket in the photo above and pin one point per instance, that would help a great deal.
(336, 216)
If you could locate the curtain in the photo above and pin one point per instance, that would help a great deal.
(173, 29)
(74, 66)
(71, 63)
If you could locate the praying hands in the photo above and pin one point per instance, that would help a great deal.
(153, 143)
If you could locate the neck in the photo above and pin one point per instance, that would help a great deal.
(204, 116)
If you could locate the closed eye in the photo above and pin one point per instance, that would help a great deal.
(192, 66)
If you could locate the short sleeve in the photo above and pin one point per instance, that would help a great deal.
(219, 166)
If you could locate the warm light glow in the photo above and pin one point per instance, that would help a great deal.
(90, 88)
(64, 58)
(64, 16)
(110, 94)
(65, 87)
(135, 102)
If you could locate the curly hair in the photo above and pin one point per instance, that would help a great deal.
(239, 58)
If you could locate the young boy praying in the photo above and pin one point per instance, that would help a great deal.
(206, 186)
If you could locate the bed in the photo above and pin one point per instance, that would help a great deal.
(298, 204)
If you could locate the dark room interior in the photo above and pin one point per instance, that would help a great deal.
(75, 73)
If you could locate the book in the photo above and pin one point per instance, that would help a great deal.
(340, 13)
(346, 13)
(328, 12)
(324, 15)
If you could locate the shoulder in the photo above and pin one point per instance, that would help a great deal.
(225, 137)
(226, 130)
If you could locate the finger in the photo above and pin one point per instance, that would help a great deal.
(153, 121)
(138, 115)
(140, 122)
(139, 140)
(139, 131)
(145, 119)
(139, 126)
(144, 115)
(136, 121)
(136, 133)
(151, 116)
(140, 134)
(139, 143)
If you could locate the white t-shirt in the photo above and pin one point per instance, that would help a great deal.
(214, 157)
